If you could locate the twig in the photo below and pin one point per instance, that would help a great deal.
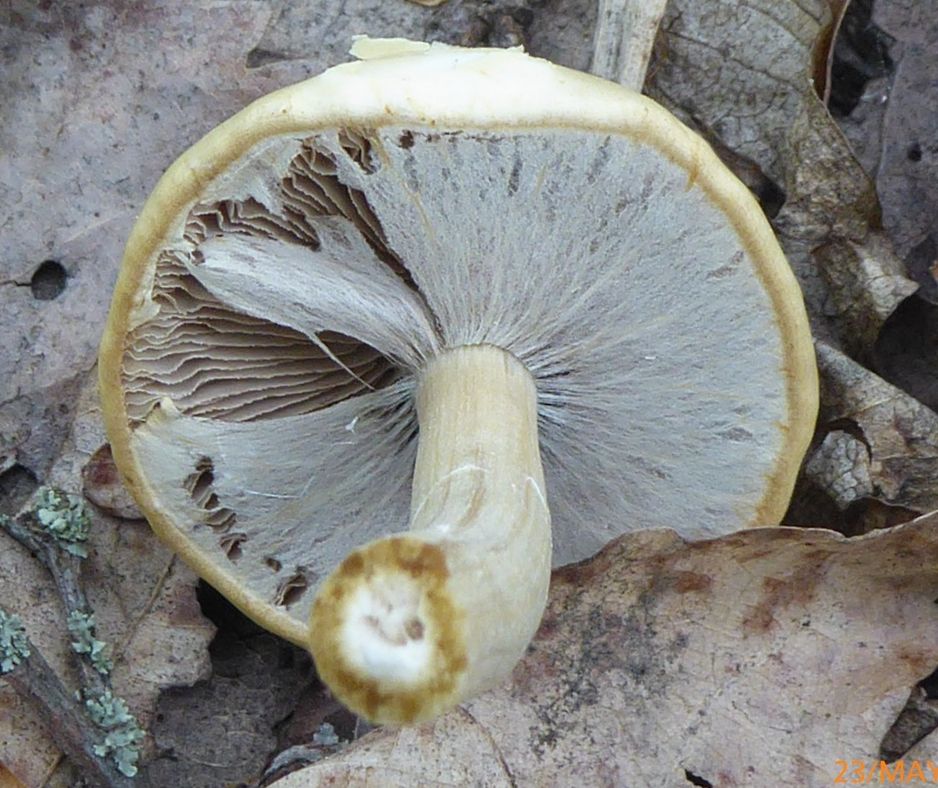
(624, 39)
(64, 567)
(74, 732)
(94, 728)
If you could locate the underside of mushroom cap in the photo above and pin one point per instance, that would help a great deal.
(294, 271)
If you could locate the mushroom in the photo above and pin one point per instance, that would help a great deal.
(446, 287)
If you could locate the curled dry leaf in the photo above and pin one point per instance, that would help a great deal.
(761, 103)
(756, 659)
(101, 484)
(899, 437)
(841, 467)
(144, 604)
(892, 125)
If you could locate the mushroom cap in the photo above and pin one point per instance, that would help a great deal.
(294, 270)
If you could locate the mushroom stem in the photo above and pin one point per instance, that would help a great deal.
(409, 625)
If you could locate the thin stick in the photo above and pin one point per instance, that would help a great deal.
(65, 570)
(93, 728)
(75, 734)
(624, 39)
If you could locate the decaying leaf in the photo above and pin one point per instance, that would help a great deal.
(102, 486)
(892, 123)
(841, 467)
(889, 52)
(899, 434)
(757, 659)
(761, 103)
(223, 730)
(97, 101)
(144, 604)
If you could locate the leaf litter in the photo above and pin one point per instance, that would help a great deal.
(761, 657)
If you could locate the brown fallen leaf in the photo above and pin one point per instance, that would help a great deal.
(898, 435)
(751, 85)
(101, 484)
(889, 50)
(760, 658)
(8, 779)
(222, 731)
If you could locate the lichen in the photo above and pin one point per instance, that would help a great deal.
(81, 626)
(325, 742)
(326, 736)
(123, 735)
(65, 517)
(14, 647)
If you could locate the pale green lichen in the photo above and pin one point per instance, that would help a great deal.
(14, 647)
(123, 735)
(326, 736)
(65, 517)
(325, 742)
(81, 627)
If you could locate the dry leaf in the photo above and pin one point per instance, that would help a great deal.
(899, 436)
(750, 84)
(223, 731)
(757, 659)
(841, 466)
(320, 33)
(892, 125)
(101, 484)
(98, 100)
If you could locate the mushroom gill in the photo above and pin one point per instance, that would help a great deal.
(217, 362)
